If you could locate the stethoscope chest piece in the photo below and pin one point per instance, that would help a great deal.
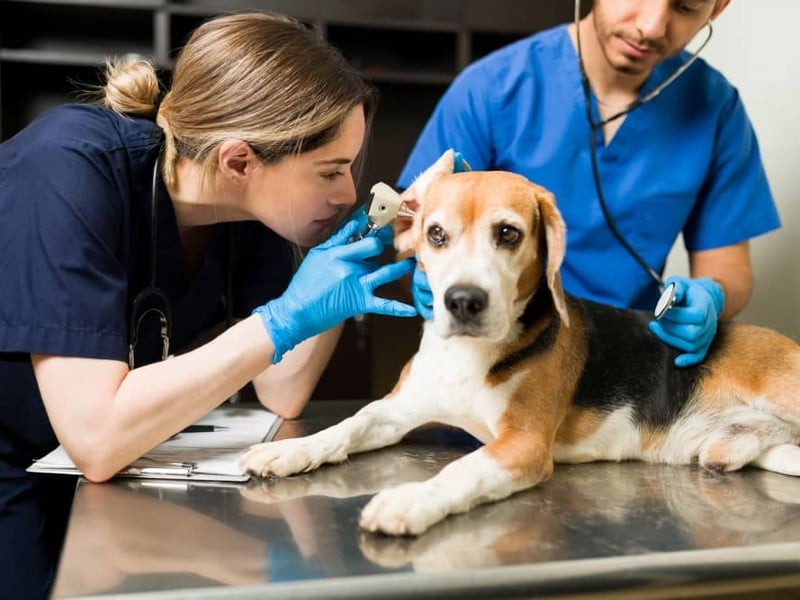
(666, 300)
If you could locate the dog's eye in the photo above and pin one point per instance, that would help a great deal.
(436, 235)
(508, 236)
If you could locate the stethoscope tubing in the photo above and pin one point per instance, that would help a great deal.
(154, 293)
(668, 293)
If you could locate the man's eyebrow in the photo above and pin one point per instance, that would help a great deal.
(334, 161)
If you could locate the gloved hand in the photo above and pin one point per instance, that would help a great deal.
(360, 216)
(459, 164)
(421, 293)
(420, 288)
(690, 325)
(335, 281)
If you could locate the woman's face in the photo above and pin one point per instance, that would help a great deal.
(302, 196)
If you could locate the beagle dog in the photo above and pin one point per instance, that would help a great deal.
(542, 377)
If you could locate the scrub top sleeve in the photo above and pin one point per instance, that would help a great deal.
(65, 288)
(460, 121)
(736, 202)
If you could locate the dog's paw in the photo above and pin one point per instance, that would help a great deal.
(286, 457)
(409, 509)
(388, 552)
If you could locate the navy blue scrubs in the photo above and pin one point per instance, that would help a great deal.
(75, 206)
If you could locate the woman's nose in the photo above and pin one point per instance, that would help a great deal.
(344, 194)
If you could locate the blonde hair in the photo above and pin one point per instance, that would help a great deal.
(261, 77)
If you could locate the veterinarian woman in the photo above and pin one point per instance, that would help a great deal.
(147, 216)
(674, 151)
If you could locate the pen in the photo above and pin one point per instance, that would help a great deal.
(171, 469)
(198, 429)
(202, 429)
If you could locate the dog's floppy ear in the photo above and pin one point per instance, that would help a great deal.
(406, 228)
(555, 231)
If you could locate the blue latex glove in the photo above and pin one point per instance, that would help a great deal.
(690, 325)
(335, 281)
(421, 293)
(420, 288)
(385, 233)
(459, 164)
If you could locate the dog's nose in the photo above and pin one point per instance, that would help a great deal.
(465, 301)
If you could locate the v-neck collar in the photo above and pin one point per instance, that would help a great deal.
(630, 129)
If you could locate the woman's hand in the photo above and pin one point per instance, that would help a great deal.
(336, 281)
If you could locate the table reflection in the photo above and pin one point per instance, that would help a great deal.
(123, 530)
(130, 535)
(136, 536)
(585, 511)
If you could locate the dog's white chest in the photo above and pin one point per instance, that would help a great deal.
(450, 378)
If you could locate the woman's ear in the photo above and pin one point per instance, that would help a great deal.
(235, 158)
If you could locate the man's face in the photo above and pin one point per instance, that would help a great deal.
(635, 35)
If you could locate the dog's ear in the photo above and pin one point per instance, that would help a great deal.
(555, 231)
(406, 228)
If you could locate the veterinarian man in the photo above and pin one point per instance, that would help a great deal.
(674, 154)
(132, 227)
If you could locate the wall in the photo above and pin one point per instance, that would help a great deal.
(753, 45)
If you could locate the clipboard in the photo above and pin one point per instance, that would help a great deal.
(209, 450)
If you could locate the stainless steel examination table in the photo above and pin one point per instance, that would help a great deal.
(611, 530)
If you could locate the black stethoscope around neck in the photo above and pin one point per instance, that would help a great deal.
(151, 299)
(668, 293)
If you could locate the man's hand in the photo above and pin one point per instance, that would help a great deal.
(691, 324)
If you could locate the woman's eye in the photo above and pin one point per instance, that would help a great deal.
(437, 236)
(332, 176)
(508, 236)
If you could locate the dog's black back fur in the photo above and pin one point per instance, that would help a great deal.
(629, 366)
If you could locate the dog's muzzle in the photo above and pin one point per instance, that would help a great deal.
(466, 304)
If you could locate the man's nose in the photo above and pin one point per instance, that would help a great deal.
(653, 18)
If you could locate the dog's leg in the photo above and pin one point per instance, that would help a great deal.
(512, 462)
(753, 438)
(378, 424)
(784, 458)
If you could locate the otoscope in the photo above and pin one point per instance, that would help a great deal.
(384, 205)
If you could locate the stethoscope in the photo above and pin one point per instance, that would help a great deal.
(151, 294)
(152, 299)
(668, 293)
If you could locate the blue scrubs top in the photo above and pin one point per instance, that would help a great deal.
(75, 206)
(685, 162)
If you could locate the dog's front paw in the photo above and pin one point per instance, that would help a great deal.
(286, 457)
(409, 509)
